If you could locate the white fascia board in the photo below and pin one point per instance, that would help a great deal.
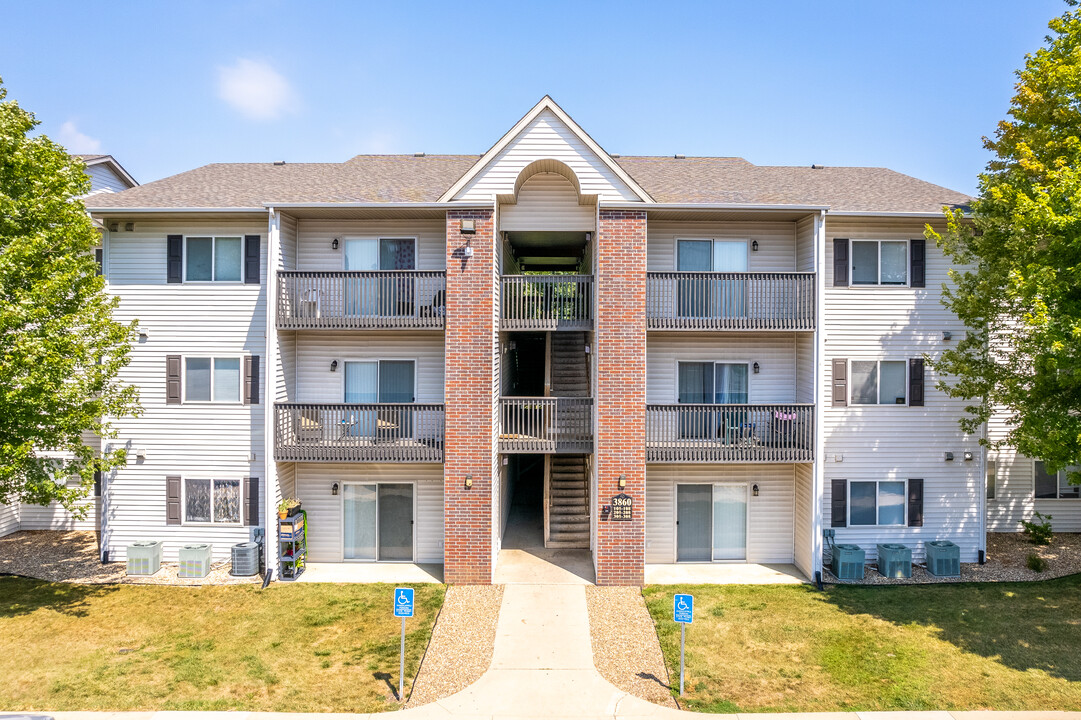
(129, 210)
(707, 206)
(872, 213)
(485, 205)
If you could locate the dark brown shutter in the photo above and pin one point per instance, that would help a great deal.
(97, 483)
(172, 500)
(915, 382)
(251, 259)
(840, 263)
(175, 260)
(251, 501)
(99, 258)
(915, 503)
(839, 504)
(918, 260)
(172, 379)
(840, 382)
(251, 380)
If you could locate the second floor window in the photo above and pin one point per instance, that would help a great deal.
(878, 382)
(713, 383)
(208, 259)
(212, 379)
(880, 262)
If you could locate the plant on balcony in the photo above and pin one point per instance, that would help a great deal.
(288, 507)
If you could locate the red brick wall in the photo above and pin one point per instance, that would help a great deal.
(621, 391)
(472, 353)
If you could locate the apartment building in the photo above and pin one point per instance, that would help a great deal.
(644, 361)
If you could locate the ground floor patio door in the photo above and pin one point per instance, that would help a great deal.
(711, 522)
(377, 522)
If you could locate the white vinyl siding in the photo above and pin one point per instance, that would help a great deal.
(805, 244)
(104, 179)
(546, 137)
(805, 531)
(771, 515)
(218, 440)
(313, 486)
(54, 517)
(776, 243)
(805, 367)
(881, 442)
(548, 202)
(9, 519)
(315, 239)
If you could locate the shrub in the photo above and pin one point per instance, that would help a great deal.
(1038, 529)
(1035, 563)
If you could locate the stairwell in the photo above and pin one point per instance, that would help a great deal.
(570, 366)
(568, 475)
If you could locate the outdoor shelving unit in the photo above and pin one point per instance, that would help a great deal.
(292, 546)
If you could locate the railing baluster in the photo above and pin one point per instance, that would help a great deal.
(361, 300)
(730, 433)
(730, 301)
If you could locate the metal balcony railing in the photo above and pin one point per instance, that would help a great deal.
(730, 433)
(359, 300)
(730, 301)
(545, 425)
(382, 432)
(547, 302)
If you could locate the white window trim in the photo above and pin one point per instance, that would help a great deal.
(675, 527)
(341, 519)
(1062, 482)
(378, 239)
(184, 501)
(377, 361)
(878, 284)
(675, 251)
(878, 382)
(904, 503)
(211, 401)
(213, 260)
(746, 363)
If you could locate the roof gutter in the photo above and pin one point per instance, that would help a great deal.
(707, 206)
(388, 205)
(129, 210)
(871, 213)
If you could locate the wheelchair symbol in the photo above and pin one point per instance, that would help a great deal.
(683, 605)
(402, 599)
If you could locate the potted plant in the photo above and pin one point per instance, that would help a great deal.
(288, 507)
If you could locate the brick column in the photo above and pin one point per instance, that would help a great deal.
(621, 391)
(471, 398)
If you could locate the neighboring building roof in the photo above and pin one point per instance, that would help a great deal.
(407, 178)
(118, 170)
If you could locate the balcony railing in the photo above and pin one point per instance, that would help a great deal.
(730, 433)
(546, 425)
(547, 302)
(730, 301)
(383, 432)
(358, 300)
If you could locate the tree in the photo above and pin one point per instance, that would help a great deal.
(60, 350)
(1019, 291)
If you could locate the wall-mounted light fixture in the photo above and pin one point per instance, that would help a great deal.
(756, 368)
(334, 244)
(754, 490)
(130, 227)
(754, 246)
(334, 489)
(947, 335)
(948, 456)
(467, 227)
(622, 481)
(334, 366)
(968, 455)
(468, 481)
(114, 227)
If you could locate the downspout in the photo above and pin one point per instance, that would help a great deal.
(270, 551)
(817, 480)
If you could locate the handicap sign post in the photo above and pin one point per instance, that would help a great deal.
(683, 613)
(403, 608)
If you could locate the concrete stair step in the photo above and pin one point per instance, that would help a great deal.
(575, 501)
(571, 518)
(576, 538)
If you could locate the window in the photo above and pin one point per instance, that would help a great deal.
(879, 382)
(992, 472)
(212, 379)
(876, 502)
(880, 262)
(1056, 485)
(713, 383)
(716, 296)
(212, 501)
(216, 259)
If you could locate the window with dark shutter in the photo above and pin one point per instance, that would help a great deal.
(251, 380)
(172, 500)
(175, 258)
(99, 258)
(97, 483)
(840, 263)
(172, 379)
(251, 259)
(915, 503)
(918, 260)
(251, 501)
(839, 503)
(915, 382)
(840, 382)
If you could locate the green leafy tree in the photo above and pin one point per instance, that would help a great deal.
(60, 349)
(1019, 289)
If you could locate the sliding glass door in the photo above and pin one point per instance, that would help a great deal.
(711, 522)
(377, 522)
(709, 383)
(388, 295)
(380, 381)
(720, 296)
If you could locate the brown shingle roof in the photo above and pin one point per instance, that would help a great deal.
(405, 178)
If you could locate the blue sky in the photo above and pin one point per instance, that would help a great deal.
(166, 87)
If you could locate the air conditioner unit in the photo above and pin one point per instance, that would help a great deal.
(245, 559)
(144, 557)
(943, 558)
(195, 560)
(894, 560)
(848, 562)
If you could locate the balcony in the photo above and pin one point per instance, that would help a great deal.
(547, 302)
(384, 432)
(730, 301)
(730, 433)
(361, 300)
(546, 425)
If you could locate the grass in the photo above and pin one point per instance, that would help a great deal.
(790, 648)
(290, 648)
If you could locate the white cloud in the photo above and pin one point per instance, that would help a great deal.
(257, 90)
(76, 142)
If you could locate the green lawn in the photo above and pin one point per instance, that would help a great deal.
(294, 648)
(791, 648)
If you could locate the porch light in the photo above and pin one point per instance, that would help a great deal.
(948, 456)
(754, 246)
(947, 335)
(468, 481)
(334, 244)
(756, 368)
(622, 481)
(334, 366)
(968, 455)
(754, 490)
(468, 227)
(334, 489)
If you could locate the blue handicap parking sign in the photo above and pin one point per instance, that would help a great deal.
(403, 602)
(683, 606)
